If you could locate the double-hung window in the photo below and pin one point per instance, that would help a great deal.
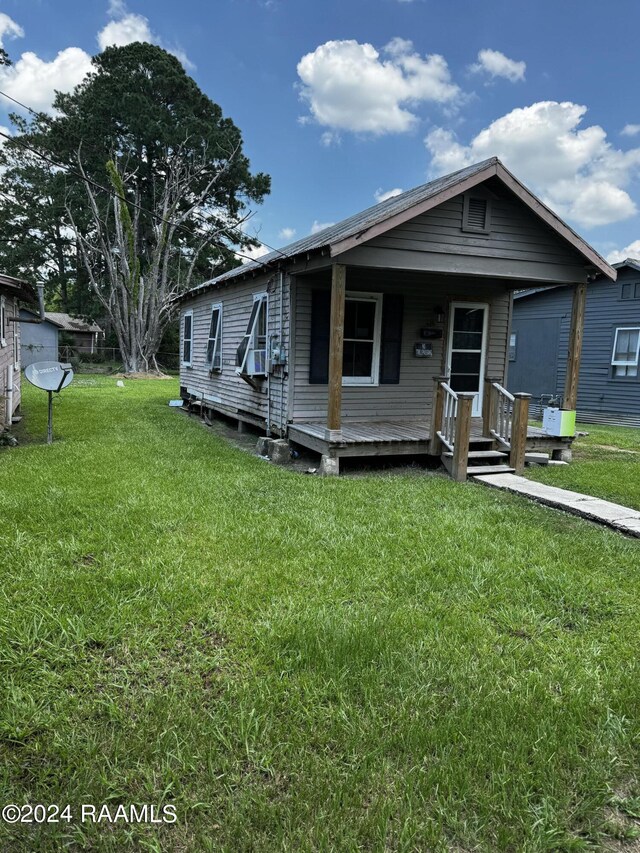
(361, 348)
(3, 322)
(187, 338)
(214, 344)
(251, 356)
(626, 347)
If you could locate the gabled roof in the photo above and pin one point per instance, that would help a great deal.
(358, 229)
(17, 287)
(71, 324)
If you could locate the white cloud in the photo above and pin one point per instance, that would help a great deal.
(381, 195)
(320, 226)
(630, 251)
(124, 31)
(287, 233)
(253, 253)
(129, 27)
(34, 81)
(348, 86)
(630, 130)
(9, 29)
(576, 170)
(496, 64)
(329, 137)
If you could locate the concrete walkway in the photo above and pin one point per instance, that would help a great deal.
(618, 517)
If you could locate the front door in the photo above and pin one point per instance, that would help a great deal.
(467, 349)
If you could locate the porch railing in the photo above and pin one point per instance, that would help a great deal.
(502, 410)
(451, 426)
(447, 433)
(505, 418)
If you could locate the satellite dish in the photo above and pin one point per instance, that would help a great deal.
(49, 375)
(52, 377)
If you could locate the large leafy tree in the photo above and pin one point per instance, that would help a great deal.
(156, 189)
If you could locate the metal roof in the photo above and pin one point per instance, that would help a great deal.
(71, 324)
(349, 227)
(357, 225)
(17, 287)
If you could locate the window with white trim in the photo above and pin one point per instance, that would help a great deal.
(3, 322)
(626, 347)
(251, 355)
(214, 344)
(187, 338)
(361, 346)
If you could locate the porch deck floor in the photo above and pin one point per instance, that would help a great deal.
(401, 435)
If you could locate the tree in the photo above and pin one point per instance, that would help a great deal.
(156, 187)
(35, 238)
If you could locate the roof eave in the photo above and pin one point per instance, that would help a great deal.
(553, 220)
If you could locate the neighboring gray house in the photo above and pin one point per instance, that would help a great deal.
(388, 332)
(38, 341)
(609, 380)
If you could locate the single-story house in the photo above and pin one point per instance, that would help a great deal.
(83, 335)
(12, 292)
(609, 379)
(388, 332)
(38, 341)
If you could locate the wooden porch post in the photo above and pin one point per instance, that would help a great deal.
(489, 405)
(519, 426)
(437, 409)
(463, 434)
(336, 343)
(575, 347)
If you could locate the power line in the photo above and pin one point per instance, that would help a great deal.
(70, 170)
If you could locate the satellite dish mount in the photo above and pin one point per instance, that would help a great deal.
(52, 377)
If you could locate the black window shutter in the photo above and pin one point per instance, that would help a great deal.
(320, 321)
(391, 339)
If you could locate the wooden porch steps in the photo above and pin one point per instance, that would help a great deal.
(484, 455)
(481, 452)
(473, 470)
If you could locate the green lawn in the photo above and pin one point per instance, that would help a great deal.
(606, 464)
(365, 663)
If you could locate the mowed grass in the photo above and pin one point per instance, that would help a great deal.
(390, 662)
(606, 464)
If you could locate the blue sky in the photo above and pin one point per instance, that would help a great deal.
(346, 100)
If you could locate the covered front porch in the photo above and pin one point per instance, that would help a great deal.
(401, 437)
(463, 427)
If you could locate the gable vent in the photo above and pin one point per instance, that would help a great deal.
(477, 213)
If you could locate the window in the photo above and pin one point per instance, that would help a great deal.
(513, 346)
(251, 355)
(187, 338)
(214, 344)
(476, 214)
(630, 290)
(625, 352)
(3, 322)
(361, 352)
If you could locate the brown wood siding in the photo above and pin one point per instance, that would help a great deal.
(6, 360)
(412, 396)
(226, 389)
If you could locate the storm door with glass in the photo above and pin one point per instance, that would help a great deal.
(467, 347)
